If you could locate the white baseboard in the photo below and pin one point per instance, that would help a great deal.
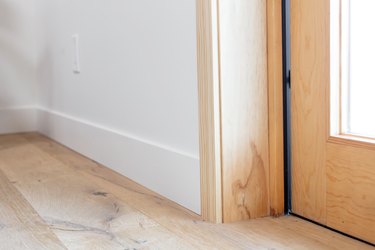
(16, 120)
(173, 174)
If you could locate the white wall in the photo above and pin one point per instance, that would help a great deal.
(17, 66)
(138, 60)
(134, 105)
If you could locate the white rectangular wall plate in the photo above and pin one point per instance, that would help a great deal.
(76, 62)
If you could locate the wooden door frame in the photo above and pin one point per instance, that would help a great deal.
(208, 55)
(275, 105)
(209, 110)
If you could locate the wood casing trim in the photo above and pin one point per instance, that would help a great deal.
(209, 110)
(209, 87)
(275, 109)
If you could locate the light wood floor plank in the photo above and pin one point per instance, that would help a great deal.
(89, 206)
(82, 215)
(20, 225)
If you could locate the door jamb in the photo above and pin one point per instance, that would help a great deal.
(208, 56)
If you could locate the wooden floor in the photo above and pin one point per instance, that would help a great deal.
(54, 198)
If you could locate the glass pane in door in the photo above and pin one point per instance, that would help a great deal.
(358, 67)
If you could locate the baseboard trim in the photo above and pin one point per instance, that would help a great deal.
(169, 172)
(17, 120)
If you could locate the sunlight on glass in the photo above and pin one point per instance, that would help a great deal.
(353, 67)
(361, 85)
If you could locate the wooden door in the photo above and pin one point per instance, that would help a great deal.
(333, 174)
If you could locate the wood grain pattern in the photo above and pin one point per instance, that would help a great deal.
(20, 225)
(209, 110)
(91, 207)
(309, 98)
(232, 70)
(333, 176)
(275, 106)
(92, 217)
(244, 109)
(351, 190)
(355, 141)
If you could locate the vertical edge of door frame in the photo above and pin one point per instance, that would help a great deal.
(208, 56)
(275, 109)
(209, 110)
(244, 109)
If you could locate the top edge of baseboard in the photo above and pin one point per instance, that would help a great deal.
(118, 132)
(13, 108)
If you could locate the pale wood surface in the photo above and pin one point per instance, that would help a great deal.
(237, 42)
(20, 225)
(275, 106)
(333, 178)
(88, 206)
(209, 110)
(69, 204)
(310, 78)
(351, 190)
(244, 109)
